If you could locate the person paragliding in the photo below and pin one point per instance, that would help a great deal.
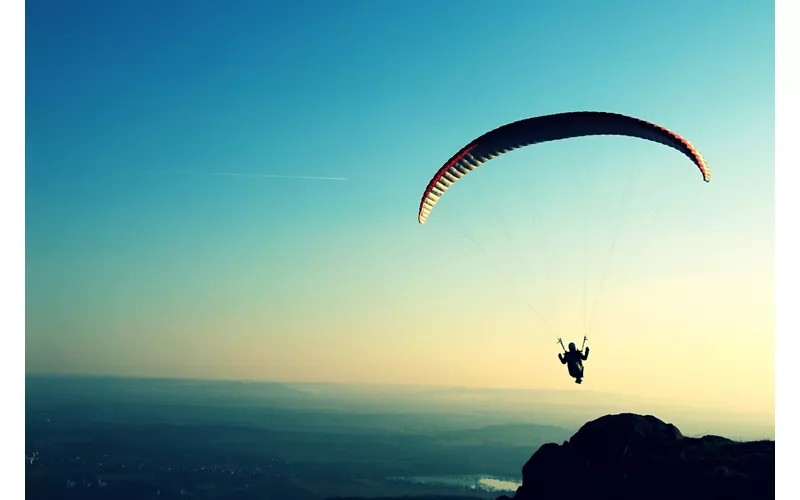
(543, 129)
(574, 359)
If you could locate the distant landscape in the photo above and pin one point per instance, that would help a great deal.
(105, 437)
(140, 438)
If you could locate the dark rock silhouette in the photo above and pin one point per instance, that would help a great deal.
(630, 456)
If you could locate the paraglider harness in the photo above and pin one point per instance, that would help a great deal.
(575, 368)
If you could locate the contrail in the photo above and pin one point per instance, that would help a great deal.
(275, 176)
(245, 174)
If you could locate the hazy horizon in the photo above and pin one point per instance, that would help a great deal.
(564, 408)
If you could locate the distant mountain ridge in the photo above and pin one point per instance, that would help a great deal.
(519, 434)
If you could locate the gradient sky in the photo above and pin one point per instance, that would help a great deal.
(141, 260)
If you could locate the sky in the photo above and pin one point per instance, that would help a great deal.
(166, 235)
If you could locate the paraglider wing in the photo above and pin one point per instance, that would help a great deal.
(543, 129)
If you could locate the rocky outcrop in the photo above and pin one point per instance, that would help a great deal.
(630, 456)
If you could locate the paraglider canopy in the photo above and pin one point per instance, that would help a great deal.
(543, 129)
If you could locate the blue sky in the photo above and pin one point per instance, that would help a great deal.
(141, 261)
